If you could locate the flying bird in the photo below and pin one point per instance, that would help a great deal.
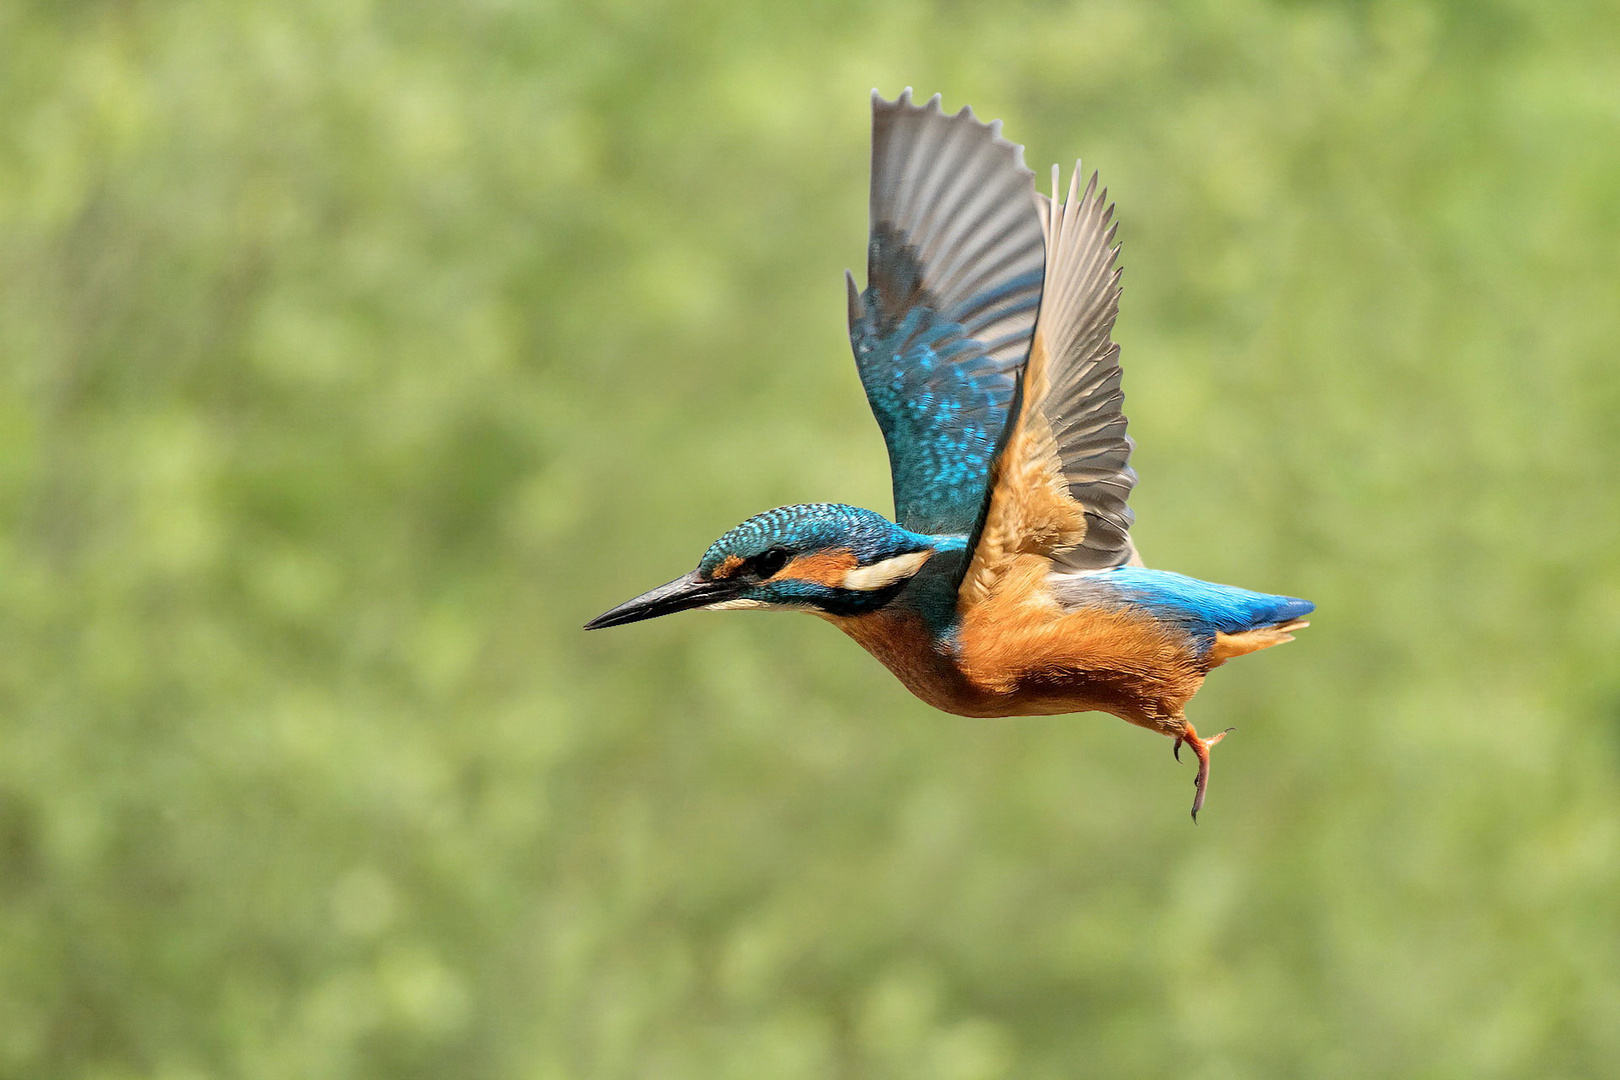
(1008, 583)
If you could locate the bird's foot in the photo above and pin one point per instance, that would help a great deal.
(1200, 747)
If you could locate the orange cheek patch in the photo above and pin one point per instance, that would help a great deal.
(727, 567)
(824, 567)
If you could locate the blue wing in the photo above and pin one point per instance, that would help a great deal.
(954, 274)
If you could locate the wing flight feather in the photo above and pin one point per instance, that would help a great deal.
(954, 271)
(1059, 488)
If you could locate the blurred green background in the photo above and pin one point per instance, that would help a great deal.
(355, 353)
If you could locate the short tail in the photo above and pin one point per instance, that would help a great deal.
(1262, 637)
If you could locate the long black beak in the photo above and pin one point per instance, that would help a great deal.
(682, 594)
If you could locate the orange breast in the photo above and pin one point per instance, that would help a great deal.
(901, 641)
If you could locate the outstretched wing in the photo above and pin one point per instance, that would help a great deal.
(954, 269)
(1060, 485)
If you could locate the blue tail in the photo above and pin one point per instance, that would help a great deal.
(1203, 607)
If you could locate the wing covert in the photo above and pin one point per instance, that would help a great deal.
(955, 264)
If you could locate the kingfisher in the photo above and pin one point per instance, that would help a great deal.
(1008, 583)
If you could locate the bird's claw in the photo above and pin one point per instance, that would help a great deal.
(1201, 749)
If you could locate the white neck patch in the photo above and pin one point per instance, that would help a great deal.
(883, 574)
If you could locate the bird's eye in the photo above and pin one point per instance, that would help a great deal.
(769, 562)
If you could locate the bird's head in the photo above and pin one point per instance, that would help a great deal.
(822, 557)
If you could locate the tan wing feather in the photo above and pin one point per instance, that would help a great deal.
(1060, 484)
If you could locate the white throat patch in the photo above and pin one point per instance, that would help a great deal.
(883, 574)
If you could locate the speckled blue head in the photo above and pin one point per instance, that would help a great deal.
(825, 557)
(813, 527)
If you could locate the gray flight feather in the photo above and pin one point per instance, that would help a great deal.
(1084, 400)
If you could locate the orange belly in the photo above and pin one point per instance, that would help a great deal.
(1019, 654)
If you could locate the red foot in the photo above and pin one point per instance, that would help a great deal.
(1200, 748)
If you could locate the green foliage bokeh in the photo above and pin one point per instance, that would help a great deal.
(353, 354)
